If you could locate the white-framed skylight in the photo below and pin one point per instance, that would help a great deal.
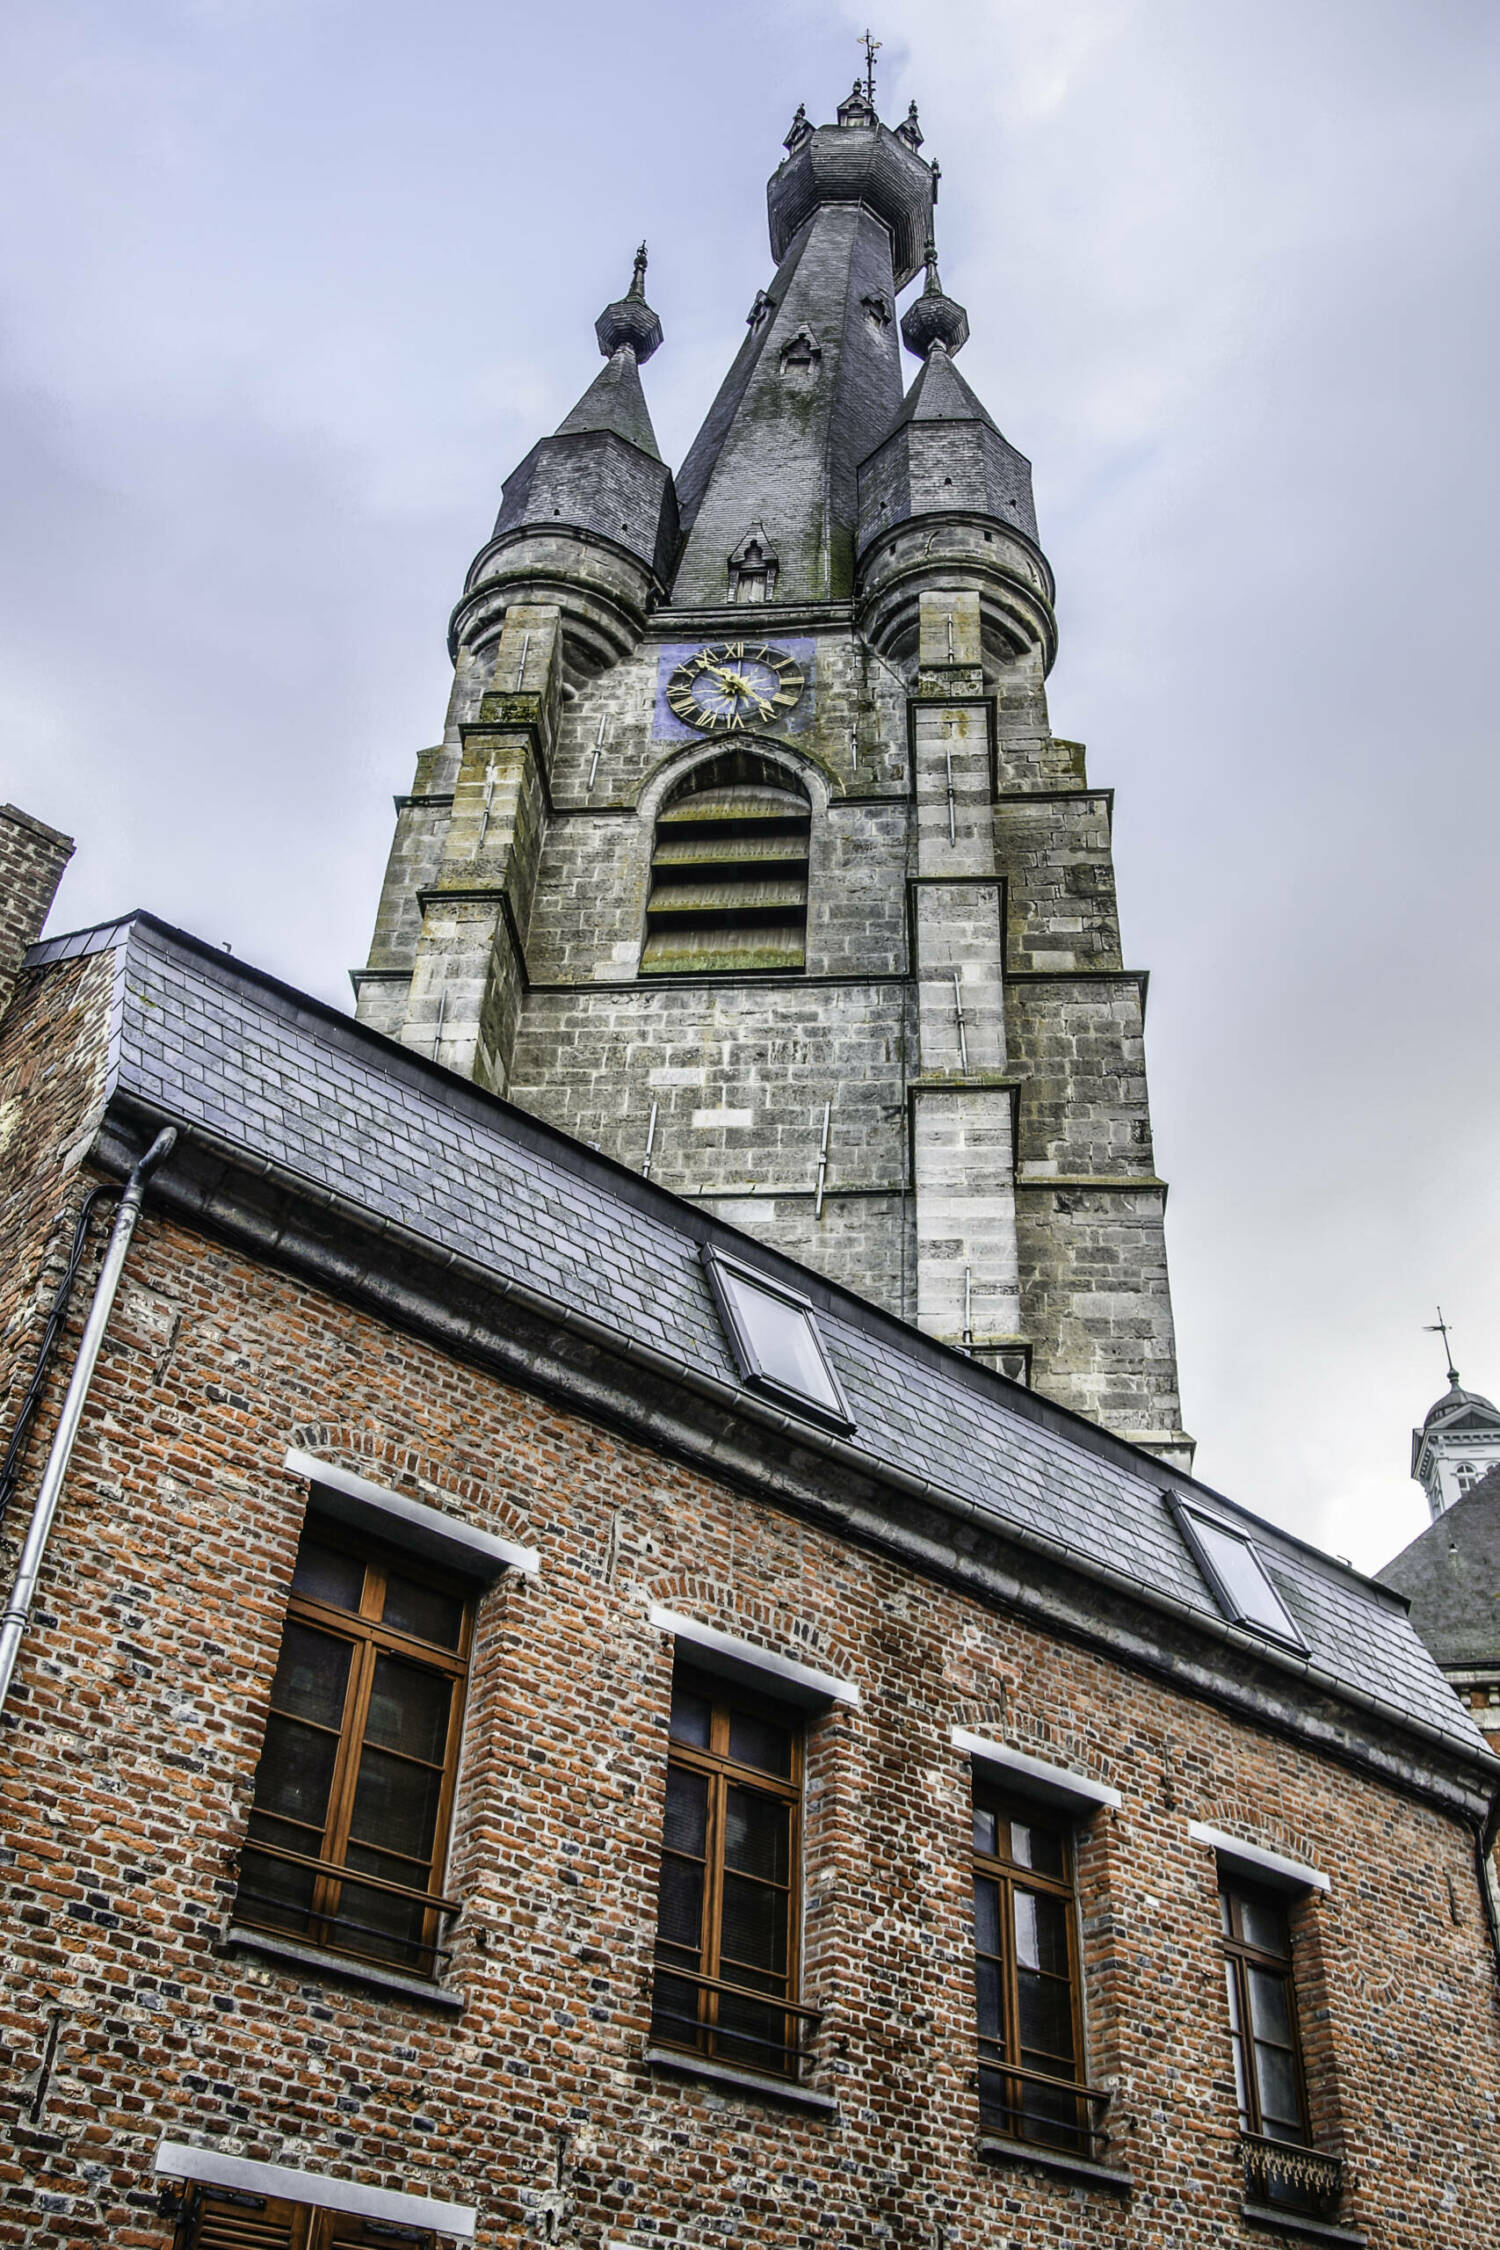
(773, 1331)
(1236, 1573)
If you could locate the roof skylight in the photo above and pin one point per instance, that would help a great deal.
(1236, 1574)
(776, 1341)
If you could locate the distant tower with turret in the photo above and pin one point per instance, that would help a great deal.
(748, 854)
(1459, 1440)
(1450, 1573)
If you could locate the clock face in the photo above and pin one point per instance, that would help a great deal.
(731, 686)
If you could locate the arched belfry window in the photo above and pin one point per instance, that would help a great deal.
(729, 871)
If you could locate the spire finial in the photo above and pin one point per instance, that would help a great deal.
(1439, 1327)
(872, 48)
(934, 318)
(630, 320)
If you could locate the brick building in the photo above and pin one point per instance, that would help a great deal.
(545, 1721)
(542, 1717)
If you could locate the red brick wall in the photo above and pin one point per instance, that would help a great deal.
(32, 859)
(52, 1061)
(127, 1770)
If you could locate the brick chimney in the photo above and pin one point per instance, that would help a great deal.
(32, 858)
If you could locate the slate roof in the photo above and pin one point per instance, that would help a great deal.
(203, 1040)
(615, 401)
(940, 394)
(1451, 1576)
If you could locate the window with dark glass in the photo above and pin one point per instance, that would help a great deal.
(1026, 1970)
(355, 1782)
(776, 1340)
(1280, 2164)
(729, 871)
(726, 1940)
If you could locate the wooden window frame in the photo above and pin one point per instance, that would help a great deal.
(722, 1772)
(1082, 2136)
(1241, 1956)
(1287, 2175)
(369, 1638)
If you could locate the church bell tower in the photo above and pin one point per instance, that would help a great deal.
(748, 854)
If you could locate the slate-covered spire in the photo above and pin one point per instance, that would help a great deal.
(601, 472)
(818, 378)
(942, 452)
(589, 519)
(628, 332)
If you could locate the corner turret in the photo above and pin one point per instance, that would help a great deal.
(945, 504)
(589, 519)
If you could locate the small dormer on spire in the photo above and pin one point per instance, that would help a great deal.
(858, 110)
(910, 131)
(629, 322)
(934, 321)
(800, 130)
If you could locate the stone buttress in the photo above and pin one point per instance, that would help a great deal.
(748, 855)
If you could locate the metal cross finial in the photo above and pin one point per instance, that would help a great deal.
(1439, 1327)
(872, 48)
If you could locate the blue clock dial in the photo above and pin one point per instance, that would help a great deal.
(731, 686)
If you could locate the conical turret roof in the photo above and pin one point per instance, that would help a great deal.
(601, 472)
(615, 401)
(942, 451)
(940, 394)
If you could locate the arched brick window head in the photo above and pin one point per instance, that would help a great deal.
(729, 872)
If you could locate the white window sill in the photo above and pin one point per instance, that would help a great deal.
(1300, 2225)
(289, 1954)
(1076, 2168)
(685, 2065)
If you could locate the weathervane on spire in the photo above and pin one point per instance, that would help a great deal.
(872, 48)
(1439, 1327)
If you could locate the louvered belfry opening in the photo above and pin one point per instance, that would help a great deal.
(729, 871)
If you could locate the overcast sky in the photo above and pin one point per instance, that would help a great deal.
(288, 286)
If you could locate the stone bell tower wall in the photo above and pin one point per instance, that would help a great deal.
(944, 1106)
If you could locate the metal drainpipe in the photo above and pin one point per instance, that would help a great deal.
(17, 1610)
(1485, 1834)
